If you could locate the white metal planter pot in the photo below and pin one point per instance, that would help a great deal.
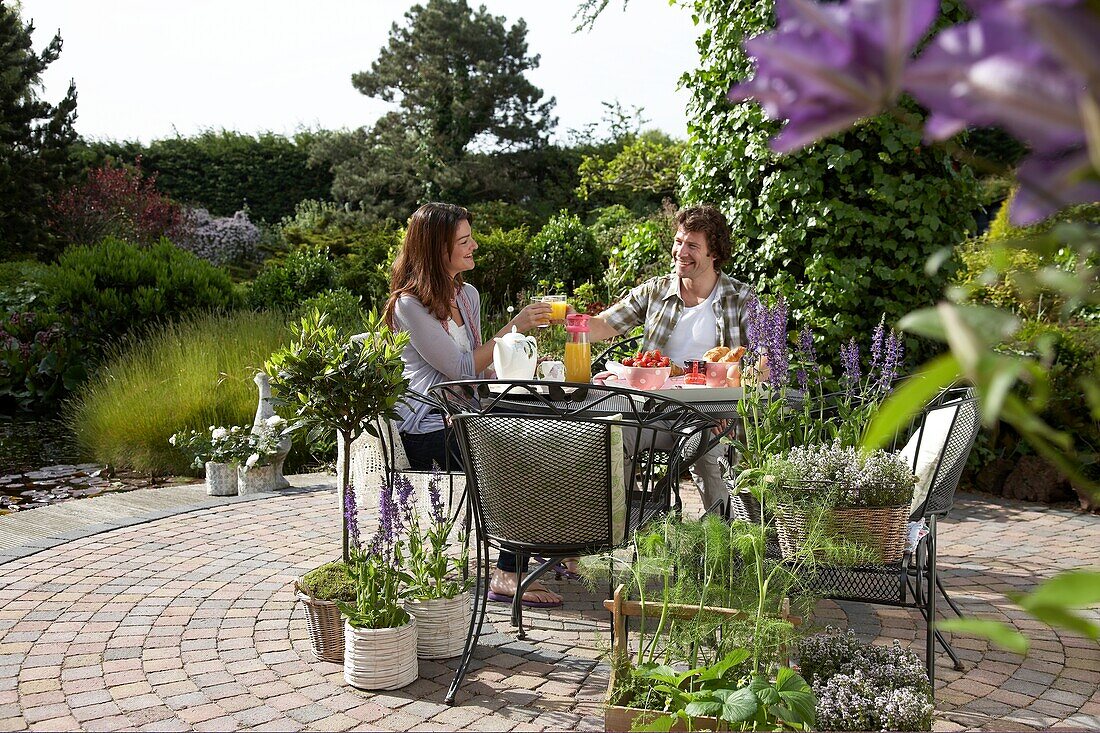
(221, 479)
(380, 659)
(255, 480)
(442, 625)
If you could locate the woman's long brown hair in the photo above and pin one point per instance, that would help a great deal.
(419, 268)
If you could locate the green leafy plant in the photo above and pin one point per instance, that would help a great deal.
(284, 285)
(114, 287)
(217, 444)
(753, 703)
(566, 250)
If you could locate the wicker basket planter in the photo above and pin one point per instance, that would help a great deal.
(441, 625)
(882, 529)
(380, 659)
(325, 625)
(744, 507)
(221, 479)
(255, 480)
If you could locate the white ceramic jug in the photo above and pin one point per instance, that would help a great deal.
(515, 355)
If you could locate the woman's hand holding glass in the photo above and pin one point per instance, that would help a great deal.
(534, 315)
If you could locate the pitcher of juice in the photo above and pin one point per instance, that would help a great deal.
(578, 351)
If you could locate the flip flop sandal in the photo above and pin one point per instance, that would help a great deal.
(495, 597)
(559, 569)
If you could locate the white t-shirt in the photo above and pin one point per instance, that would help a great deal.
(459, 335)
(695, 332)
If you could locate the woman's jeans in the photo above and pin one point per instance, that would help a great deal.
(426, 450)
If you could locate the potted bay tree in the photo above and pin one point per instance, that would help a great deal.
(331, 383)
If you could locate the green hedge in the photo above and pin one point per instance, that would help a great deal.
(225, 172)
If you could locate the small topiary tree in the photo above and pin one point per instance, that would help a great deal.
(334, 383)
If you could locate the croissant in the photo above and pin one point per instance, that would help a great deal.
(733, 356)
(717, 353)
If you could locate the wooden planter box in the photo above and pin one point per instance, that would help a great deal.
(620, 718)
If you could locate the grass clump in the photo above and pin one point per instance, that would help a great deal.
(187, 375)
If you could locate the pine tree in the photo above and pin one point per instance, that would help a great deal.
(34, 139)
(458, 78)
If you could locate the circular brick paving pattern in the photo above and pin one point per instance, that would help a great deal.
(188, 623)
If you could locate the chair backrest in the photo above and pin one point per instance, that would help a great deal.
(555, 467)
(616, 351)
(939, 448)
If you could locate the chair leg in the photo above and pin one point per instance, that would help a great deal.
(946, 597)
(477, 621)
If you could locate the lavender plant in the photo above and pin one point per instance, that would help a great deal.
(219, 240)
(376, 569)
(779, 414)
(433, 573)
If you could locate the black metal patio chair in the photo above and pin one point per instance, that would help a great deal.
(938, 448)
(548, 472)
(616, 351)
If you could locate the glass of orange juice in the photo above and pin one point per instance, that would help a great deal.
(559, 307)
(541, 299)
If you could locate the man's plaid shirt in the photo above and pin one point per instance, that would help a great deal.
(657, 304)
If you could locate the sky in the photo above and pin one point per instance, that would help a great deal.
(149, 69)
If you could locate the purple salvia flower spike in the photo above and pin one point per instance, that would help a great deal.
(435, 495)
(891, 362)
(849, 360)
(876, 342)
(351, 516)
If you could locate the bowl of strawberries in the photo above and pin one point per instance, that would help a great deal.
(645, 370)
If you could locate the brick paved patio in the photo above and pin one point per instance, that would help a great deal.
(186, 622)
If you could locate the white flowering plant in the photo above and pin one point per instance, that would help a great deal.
(843, 476)
(260, 446)
(215, 444)
(865, 686)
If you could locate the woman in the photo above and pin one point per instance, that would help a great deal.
(442, 316)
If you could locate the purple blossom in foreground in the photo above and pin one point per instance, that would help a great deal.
(826, 66)
(849, 361)
(1022, 65)
(351, 516)
(992, 72)
(1048, 184)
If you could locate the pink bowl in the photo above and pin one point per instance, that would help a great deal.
(645, 377)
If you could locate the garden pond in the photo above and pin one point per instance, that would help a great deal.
(40, 465)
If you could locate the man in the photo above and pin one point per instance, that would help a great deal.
(687, 313)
